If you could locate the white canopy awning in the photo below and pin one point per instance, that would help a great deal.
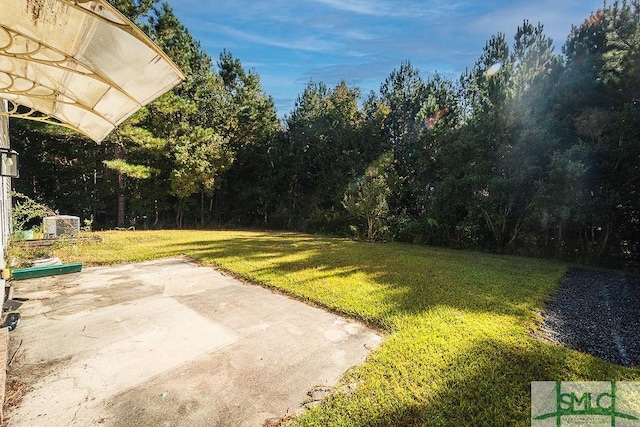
(78, 63)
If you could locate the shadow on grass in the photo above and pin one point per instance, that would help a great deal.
(488, 385)
(389, 279)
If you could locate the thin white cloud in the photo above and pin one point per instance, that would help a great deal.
(406, 9)
(306, 43)
(357, 6)
(359, 35)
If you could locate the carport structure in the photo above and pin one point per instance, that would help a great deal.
(74, 63)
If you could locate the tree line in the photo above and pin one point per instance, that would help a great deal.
(540, 158)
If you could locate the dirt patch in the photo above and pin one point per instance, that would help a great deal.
(21, 376)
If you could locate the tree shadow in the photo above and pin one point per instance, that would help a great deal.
(398, 278)
(487, 385)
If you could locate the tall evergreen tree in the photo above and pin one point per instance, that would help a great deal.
(324, 135)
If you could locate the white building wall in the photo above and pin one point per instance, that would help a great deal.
(5, 192)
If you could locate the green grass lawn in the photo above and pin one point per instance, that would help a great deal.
(458, 347)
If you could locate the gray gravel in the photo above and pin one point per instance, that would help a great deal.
(597, 313)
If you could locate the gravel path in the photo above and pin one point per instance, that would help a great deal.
(597, 313)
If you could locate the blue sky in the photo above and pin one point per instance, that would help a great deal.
(291, 42)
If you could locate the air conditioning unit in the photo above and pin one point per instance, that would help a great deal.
(61, 226)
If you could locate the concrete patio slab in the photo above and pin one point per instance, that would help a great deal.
(171, 343)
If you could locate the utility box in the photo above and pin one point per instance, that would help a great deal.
(61, 226)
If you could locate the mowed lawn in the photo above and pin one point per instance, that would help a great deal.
(459, 347)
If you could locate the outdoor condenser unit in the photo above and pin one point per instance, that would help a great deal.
(61, 225)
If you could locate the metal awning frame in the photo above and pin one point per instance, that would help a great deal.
(23, 92)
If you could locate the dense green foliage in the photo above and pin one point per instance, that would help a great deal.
(541, 158)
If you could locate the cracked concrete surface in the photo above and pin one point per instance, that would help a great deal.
(169, 342)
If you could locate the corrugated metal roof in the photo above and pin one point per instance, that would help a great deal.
(78, 63)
